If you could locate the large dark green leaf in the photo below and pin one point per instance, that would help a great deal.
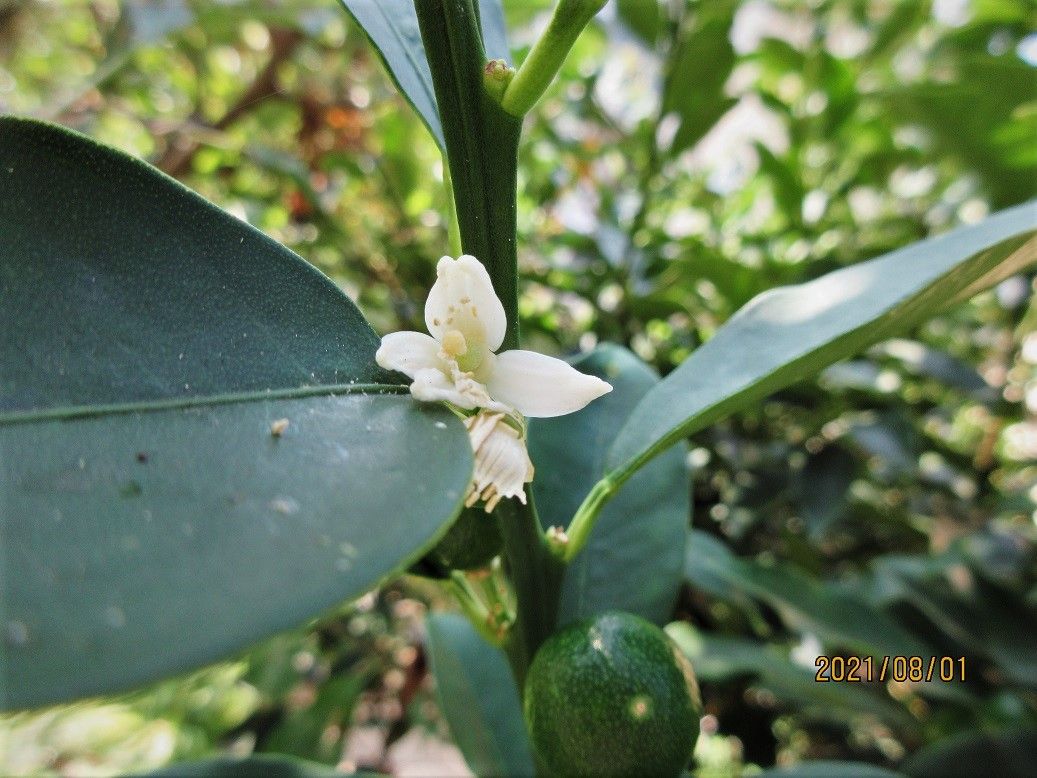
(477, 694)
(634, 557)
(787, 334)
(150, 521)
(392, 28)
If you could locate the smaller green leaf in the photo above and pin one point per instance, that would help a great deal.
(698, 70)
(643, 17)
(787, 334)
(248, 767)
(634, 556)
(477, 694)
(392, 28)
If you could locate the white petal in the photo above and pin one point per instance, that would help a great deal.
(463, 299)
(431, 385)
(540, 386)
(409, 352)
(502, 464)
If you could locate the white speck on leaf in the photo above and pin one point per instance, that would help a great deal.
(114, 617)
(286, 506)
(277, 428)
(17, 633)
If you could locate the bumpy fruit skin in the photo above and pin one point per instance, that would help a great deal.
(612, 696)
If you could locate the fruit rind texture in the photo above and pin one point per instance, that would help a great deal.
(612, 696)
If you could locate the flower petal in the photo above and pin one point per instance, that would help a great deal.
(431, 385)
(409, 353)
(541, 386)
(463, 299)
(502, 464)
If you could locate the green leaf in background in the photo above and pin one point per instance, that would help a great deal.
(825, 486)
(476, 693)
(1010, 752)
(634, 557)
(302, 732)
(787, 334)
(643, 17)
(392, 28)
(720, 659)
(258, 764)
(982, 618)
(151, 520)
(698, 69)
(835, 615)
(826, 768)
(481, 144)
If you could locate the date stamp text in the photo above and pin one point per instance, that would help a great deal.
(899, 669)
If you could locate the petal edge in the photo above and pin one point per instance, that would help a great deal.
(540, 386)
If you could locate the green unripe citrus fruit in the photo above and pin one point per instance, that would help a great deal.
(612, 696)
(471, 542)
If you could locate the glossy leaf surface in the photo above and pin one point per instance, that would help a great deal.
(478, 698)
(634, 556)
(789, 333)
(151, 520)
(392, 28)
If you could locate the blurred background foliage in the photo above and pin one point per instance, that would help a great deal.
(691, 155)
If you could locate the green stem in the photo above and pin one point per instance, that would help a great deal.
(547, 55)
(586, 516)
(473, 607)
(536, 575)
(452, 229)
(481, 145)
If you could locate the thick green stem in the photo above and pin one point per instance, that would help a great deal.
(579, 530)
(547, 55)
(586, 516)
(481, 145)
(536, 574)
(453, 231)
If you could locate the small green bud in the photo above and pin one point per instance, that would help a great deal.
(496, 76)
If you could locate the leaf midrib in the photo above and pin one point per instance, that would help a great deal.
(174, 403)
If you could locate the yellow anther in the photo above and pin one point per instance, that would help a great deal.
(454, 343)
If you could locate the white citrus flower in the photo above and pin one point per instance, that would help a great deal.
(457, 363)
(502, 464)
